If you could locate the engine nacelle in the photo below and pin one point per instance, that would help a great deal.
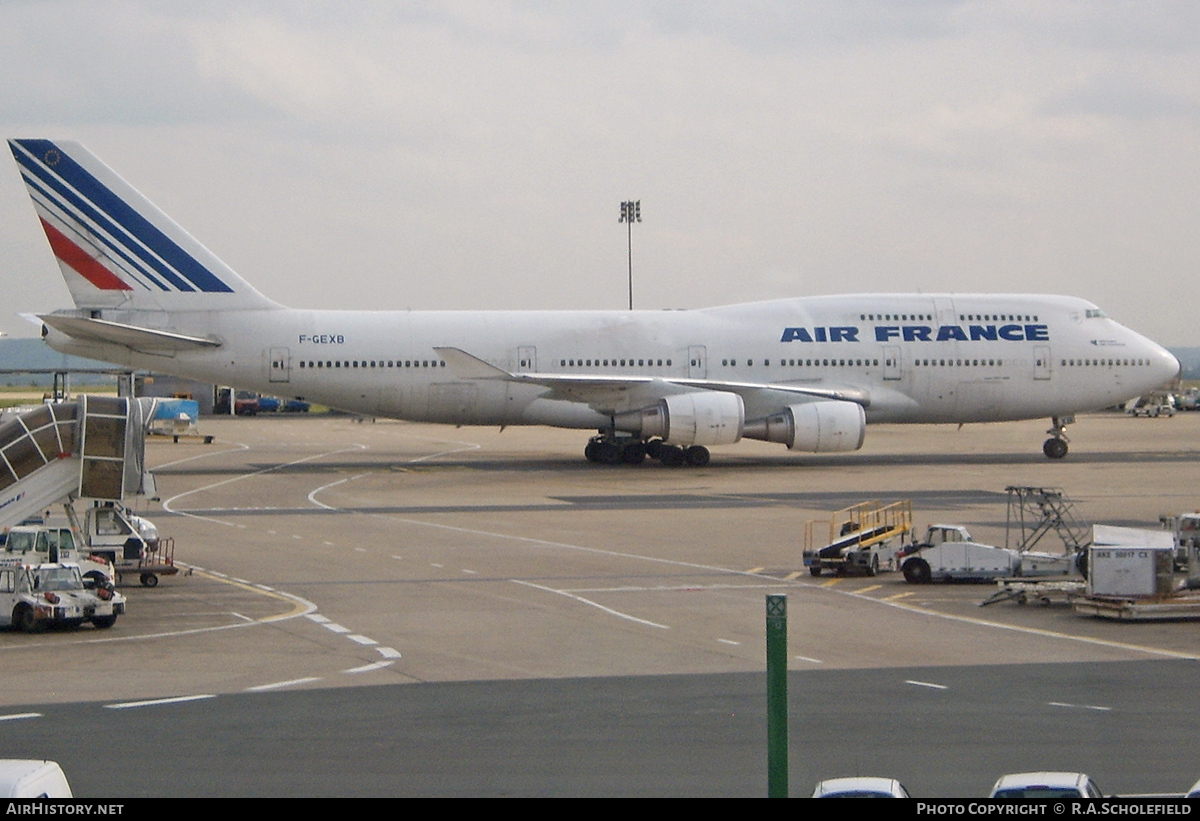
(815, 427)
(708, 418)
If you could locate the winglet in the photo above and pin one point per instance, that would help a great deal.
(466, 366)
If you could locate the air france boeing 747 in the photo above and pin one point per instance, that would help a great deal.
(808, 373)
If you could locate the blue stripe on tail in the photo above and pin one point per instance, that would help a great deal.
(53, 167)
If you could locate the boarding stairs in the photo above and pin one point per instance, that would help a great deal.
(92, 448)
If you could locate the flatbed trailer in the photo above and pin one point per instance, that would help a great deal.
(1042, 591)
(1183, 607)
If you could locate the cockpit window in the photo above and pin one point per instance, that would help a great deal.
(1096, 313)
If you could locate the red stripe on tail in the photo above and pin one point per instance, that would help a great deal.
(82, 262)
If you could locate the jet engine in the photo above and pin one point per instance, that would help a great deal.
(815, 427)
(707, 418)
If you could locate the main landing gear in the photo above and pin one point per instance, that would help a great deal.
(630, 450)
(1056, 446)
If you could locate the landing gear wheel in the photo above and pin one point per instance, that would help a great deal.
(591, 451)
(671, 456)
(654, 448)
(634, 453)
(697, 456)
(149, 580)
(104, 622)
(1054, 448)
(916, 571)
(815, 569)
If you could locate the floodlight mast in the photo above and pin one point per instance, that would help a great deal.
(631, 212)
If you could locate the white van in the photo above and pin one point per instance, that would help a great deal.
(21, 778)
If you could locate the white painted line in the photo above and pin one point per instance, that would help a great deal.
(264, 587)
(279, 685)
(806, 658)
(157, 701)
(472, 572)
(318, 618)
(364, 640)
(367, 668)
(929, 684)
(729, 641)
(1079, 706)
(360, 550)
(435, 564)
(388, 652)
(240, 581)
(17, 716)
(167, 505)
(680, 588)
(582, 600)
(398, 557)
(335, 627)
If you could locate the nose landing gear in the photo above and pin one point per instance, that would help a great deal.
(1056, 446)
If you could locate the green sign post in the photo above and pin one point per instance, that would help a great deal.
(777, 701)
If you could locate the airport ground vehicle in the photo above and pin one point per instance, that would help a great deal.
(860, 787)
(1045, 785)
(37, 543)
(948, 552)
(108, 542)
(1153, 405)
(863, 538)
(32, 778)
(33, 597)
(1186, 529)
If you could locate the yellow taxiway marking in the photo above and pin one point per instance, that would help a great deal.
(299, 605)
(897, 596)
(869, 589)
(756, 570)
(791, 577)
(830, 583)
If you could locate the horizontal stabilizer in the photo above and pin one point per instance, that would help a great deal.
(130, 336)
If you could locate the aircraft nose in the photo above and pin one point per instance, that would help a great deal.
(1167, 364)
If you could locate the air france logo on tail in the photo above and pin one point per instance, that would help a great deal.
(97, 233)
(922, 333)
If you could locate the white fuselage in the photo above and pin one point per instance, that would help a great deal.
(916, 358)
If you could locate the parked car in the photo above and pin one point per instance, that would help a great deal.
(1046, 785)
(245, 403)
(860, 787)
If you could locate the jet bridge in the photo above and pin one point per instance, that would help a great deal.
(93, 448)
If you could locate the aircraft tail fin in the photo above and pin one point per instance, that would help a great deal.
(115, 248)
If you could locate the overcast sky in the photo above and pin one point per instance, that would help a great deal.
(474, 154)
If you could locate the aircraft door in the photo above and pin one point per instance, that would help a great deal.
(279, 365)
(1041, 361)
(891, 362)
(697, 362)
(527, 360)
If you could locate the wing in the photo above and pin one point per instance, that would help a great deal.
(616, 394)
